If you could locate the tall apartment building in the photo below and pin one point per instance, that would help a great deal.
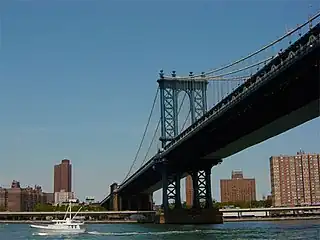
(237, 189)
(63, 176)
(295, 180)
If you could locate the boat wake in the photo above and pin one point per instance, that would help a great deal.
(149, 233)
(121, 234)
(51, 234)
(126, 233)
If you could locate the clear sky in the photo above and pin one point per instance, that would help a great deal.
(77, 79)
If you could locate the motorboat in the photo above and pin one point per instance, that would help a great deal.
(66, 226)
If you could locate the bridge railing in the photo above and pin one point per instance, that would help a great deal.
(279, 63)
(271, 68)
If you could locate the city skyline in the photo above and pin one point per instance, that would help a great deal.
(69, 91)
(234, 175)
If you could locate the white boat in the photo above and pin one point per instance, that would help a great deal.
(66, 226)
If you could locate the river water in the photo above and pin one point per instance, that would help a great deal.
(308, 229)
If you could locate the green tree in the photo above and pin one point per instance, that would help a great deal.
(93, 208)
(268, 203)
(43, 208)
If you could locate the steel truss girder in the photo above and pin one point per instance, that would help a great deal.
(169, 91)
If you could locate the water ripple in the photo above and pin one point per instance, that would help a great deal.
(287, 230)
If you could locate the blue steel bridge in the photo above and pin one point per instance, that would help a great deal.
(259, 96)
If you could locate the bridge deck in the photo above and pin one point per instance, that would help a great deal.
(256, 111)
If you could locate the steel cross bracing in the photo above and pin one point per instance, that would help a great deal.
(201, 181)
(169, 114)
(301, 47)
(171, 190)
(294, 51)
(201, 194)
(170, 187)
(198, 100)
(169, 90)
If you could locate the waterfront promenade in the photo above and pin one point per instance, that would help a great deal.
(268, 219)
(229, 215)
(129, 221)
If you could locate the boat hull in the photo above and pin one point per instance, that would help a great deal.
(53, 229)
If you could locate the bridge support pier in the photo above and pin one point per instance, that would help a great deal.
(202, 211)
(139, 202)
(171, 190)
(122, 202)
(114, 200)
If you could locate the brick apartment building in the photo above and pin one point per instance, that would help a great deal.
(237, 189)
(295, 180)
(17, 199)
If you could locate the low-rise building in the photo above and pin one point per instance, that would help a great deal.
(17, 199)
(238, 188)
(62, 197)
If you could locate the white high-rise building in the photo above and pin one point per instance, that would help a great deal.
(62, 197)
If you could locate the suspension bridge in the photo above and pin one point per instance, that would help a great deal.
(229, 108)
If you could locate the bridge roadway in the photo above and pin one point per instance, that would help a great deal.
(281, 96)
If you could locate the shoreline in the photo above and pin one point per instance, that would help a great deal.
(246, 219)
(270, 219)
(86, 222)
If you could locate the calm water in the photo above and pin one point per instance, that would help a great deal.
(245, 230)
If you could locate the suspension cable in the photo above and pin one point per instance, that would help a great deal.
(220, 77)
(260, 50)
(155, 132)
(211, 72)
(185, 121)
(180, 107)
(184, 96)
(150, 145)
(144, 134)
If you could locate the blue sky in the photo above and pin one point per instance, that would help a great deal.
(78, 78)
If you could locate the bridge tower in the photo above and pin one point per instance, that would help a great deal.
(199, 179)
(169, 90)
